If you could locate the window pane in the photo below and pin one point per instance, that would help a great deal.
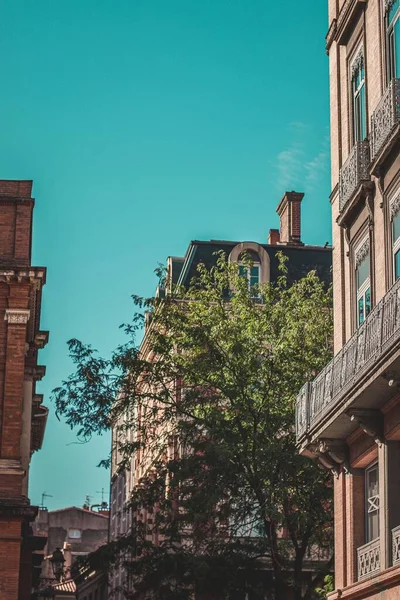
(397, 265)
(363, 114)
(372, 503)
(242, 271)
(254, 276)
(361, 316)
(396, 227)
(367, 302)
(363, 271)
(393, 11)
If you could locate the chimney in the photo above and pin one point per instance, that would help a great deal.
(274, 237)
(289, 211)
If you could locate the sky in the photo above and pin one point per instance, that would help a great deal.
(146, 124)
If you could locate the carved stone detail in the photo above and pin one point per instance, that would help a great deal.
(370, 421)
(358, 62)
(394, 206)
(388, 5)
(362, 252)
(17, 316)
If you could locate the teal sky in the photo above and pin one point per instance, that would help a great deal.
(145, 124)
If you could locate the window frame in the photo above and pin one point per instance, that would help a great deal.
(248, 275)
(358, 111)
(394, 211)
(372, 467)
(391, 43)
(362, 250)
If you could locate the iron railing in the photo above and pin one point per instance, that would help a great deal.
(368, 559)
(385, 117)
(396, 545)
(353, 172)
(379, 332)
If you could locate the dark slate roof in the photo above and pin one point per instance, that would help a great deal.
(302, 260)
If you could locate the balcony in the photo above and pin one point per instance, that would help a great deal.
(351, 378)
(354, 172)
(384, 120)
(396, 546)
(368, 559)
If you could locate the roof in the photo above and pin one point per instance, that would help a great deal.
(302, 259)
(84, 510)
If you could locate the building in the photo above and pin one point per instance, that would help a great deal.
(22, 415)
(302, 259)
(349, 416)
(76, 531)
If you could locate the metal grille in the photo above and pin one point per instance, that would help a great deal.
(353, 172)
(396, 545)
(385, 117)
(379, 332)
(369, 559)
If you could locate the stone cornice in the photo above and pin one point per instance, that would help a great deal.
(33, 275)
(17, 316)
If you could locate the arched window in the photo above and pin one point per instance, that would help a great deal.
(250, 267)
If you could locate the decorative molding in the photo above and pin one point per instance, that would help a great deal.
(358, 62)
(388, 5)
(394, 206)
(17, 316)
(362, 252)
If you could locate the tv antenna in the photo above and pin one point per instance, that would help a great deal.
(102, 492)
(45, 495)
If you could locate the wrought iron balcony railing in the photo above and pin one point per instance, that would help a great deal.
(353, 172)
(396, 545)
(385, 117)
(373, 339)
(369, 559)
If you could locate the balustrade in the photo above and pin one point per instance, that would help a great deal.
(375, 336)
(369, 559)
(353, 172)
(385, 117)
(396, 545)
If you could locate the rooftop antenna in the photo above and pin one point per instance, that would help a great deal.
(45, 495)
(102, 495)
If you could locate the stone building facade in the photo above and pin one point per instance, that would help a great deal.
(76, 531)
(349, 416)
(180, 271)
(22, 415)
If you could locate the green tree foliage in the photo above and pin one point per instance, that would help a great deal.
(205, 406)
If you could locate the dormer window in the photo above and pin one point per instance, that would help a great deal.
(251, 271)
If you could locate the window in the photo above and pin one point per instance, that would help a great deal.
(393, 38)
(363, 284)
(74, 534)
(251, 271)
(395, 212)
(372, 503)
(358, 97)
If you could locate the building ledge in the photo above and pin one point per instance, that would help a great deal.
(39, 420)
(356, 202)
(383, 580)
(349, 13)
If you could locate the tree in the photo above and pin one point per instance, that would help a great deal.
(206, 407)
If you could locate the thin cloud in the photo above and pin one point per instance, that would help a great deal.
(290, 166)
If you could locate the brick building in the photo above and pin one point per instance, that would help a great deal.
(349, 416)
(302, 259)
(22, 415)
